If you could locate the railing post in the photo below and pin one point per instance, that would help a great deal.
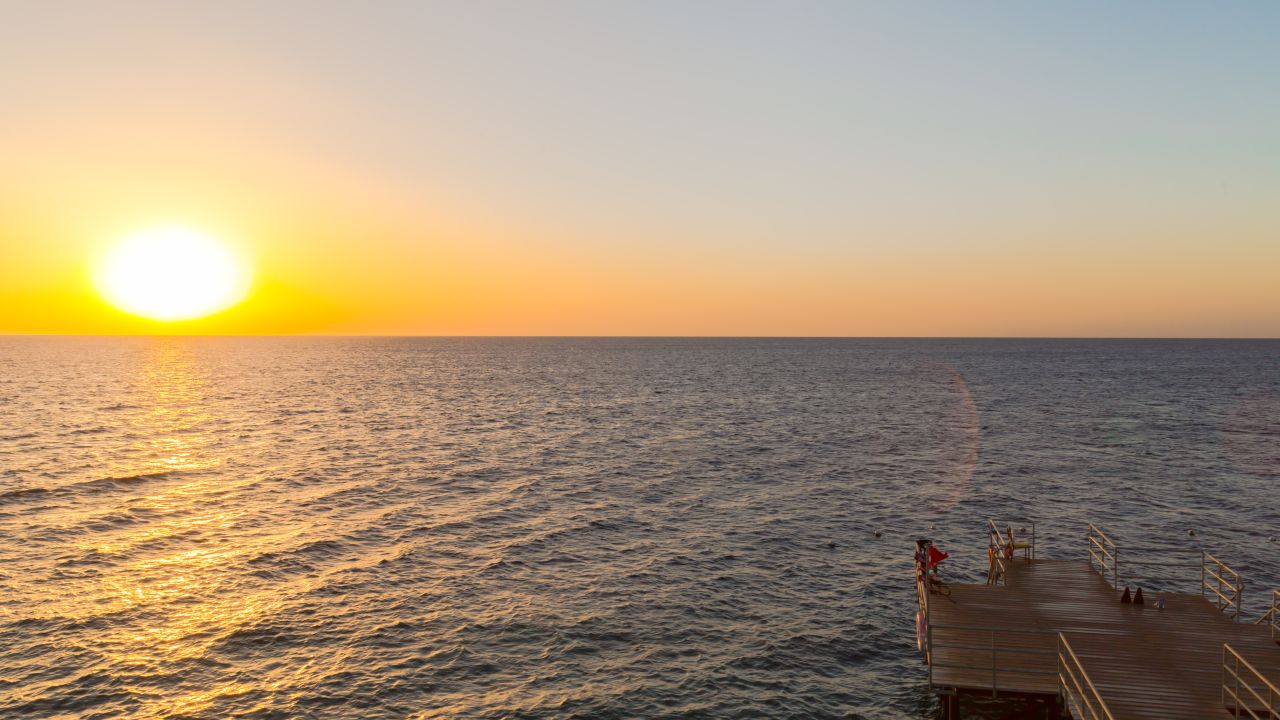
(1115, 565)
(1061, 683)
(928, 642)
(1224, 675)
(1237, 691)
(994, 692)
(1202, 583)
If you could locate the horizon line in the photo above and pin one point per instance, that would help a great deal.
(643, 337)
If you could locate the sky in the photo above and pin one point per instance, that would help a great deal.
(654, 168)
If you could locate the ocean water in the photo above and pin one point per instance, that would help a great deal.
(577, 528)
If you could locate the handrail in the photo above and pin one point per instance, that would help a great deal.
(1095, 530)
(1222, 598)
(1272, 616)
(1076, 689)
(922, 601)
(1253, 682)
(994, 528)
(992, 648)
(1218, 581)
(1000, 551)
(997, 551)
(1102, 549)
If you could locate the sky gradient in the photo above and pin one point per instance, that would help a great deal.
(655, 168)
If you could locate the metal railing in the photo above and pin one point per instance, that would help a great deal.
(1245, 692)
(1218, 582)
(1020, 543)
(1140, 568)
(922, 619)
(999, 656)
(1103, 555)
(1076, 689)
(998, 552)
(1225, 584)
(1000, 549)
(1272, 616)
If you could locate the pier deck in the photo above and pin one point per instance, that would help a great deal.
(1144, 662)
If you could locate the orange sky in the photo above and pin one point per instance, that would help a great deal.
(630, 171)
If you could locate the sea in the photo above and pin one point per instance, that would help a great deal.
(580, 527)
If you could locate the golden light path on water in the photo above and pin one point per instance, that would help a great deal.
(195, 597)
(186, 592)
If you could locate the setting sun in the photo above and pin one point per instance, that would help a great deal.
(171, 273)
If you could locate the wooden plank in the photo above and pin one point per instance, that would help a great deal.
(1145, 662)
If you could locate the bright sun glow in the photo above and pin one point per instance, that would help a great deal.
(171, 273)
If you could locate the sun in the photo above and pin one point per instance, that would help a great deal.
(172, 273)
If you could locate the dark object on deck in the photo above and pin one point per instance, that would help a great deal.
(1137, 598)
(1125, 598)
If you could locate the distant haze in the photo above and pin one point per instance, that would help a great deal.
(655, 168)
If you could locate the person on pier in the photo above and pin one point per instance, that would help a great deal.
(927, 559)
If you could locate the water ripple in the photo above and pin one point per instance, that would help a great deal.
(571, 528)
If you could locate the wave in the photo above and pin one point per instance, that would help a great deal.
(21, 493)
(301, 558)
(116, 481)
(90, 431)
(19, 436)
(93, 486)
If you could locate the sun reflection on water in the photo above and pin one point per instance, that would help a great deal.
(172, 424)
(172, 575)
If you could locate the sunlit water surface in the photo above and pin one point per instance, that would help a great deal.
(423, 528)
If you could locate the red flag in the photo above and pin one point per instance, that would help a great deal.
(936, 556)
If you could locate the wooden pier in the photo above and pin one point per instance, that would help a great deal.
(1055, 635)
